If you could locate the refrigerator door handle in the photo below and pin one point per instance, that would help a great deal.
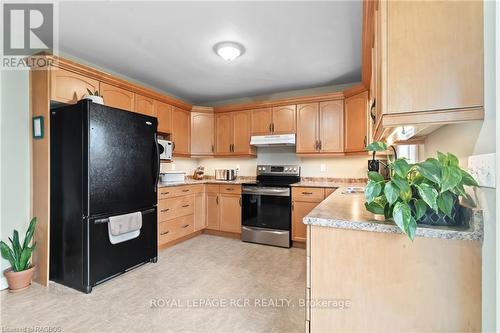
(106, 220)
(157, 155)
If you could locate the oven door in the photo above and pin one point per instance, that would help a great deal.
(266, 207)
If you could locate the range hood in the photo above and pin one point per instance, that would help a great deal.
(272, 140)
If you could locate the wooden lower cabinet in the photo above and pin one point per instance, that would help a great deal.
(181, 211)
(230, 213)
(224, 208)
(304, 199)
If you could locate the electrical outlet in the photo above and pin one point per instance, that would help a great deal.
(322, 167)
(482, 168)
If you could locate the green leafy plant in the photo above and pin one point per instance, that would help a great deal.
(412, 188)
(19, 256)
(95, 93)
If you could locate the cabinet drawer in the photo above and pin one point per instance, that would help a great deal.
(166, 192)
(308, 194)
(177, 191)
(176, 228)
(230, 189)
(212, 188)
(172, 208)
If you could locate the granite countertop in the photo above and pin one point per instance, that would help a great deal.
(325, 184)
(190, 181)
(347, 211)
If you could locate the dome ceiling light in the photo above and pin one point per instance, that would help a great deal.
(229, 50)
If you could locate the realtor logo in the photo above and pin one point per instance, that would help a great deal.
(28, 29)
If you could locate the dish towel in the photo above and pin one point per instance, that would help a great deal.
(122, 228)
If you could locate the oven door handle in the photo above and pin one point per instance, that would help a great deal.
(274, 191)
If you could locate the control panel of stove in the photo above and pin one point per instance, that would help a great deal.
(276, 170)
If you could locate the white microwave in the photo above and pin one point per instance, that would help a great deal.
(165, 147)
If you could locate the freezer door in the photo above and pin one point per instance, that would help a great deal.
(123, 160)
(108, 260)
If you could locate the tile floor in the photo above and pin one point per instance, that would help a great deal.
(245, 279)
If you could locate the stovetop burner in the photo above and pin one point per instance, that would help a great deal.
(277, 175)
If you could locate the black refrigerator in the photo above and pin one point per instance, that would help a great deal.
(103, 162)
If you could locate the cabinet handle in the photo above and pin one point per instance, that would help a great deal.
(320, 145)
(165, 210)
(307, 193)
(164, 192)
(173, 146)
(186, 190)
(270, 128)
(212, 148)
(240, 201)
(185, 206)
(217, 199)
(229, 189)
(293, 204)
(364, 142)
(164, 233)
(185, 226)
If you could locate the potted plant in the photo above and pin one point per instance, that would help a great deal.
(422, 193)
(20, 273)
(95, 97)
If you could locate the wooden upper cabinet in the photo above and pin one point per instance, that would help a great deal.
(307, 128)
(261, 120)
(284, 119)
(69, 87)
(331, 133)
(202, 133)
(163, 112)
(181, 131)
(144, 105)
(241, 132)
(356, 115)
(223, 133)
(117, 97)
(434, 54)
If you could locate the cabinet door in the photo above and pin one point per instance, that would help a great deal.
(199, 211)
(331, 122)
(299, 211)
(144, 105)
(223, 133)
(202, 133)
(212, 208)
(117, 97)
(441, 65)
(307, 127)
(69, 87)
(181, 131)
(356, 117)
(163, 112)
(241, 132)
(261, 121)
(230, 213)
(284, 119)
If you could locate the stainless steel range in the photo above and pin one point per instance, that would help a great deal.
(266, 211)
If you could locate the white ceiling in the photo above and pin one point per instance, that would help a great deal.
(169, 45)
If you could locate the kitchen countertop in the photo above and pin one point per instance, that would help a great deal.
(325, 184)
(347, 211)
(209, 181)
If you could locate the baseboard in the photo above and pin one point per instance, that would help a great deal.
(222, 233)
(179, 240)
(300, 245)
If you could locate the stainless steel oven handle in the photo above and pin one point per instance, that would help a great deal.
(276, 191)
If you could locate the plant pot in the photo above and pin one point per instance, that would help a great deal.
(439, 219)
(95, 99)
(19, 281)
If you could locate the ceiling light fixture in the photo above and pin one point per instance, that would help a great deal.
(229, 50)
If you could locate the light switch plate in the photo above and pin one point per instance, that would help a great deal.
(482, 168)
(322, 167)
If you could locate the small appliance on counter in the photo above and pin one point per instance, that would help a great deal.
(165, 148)
(226, 174)
(198, 173)
(172, 177)
(267, 205)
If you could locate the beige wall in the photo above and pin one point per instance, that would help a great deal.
(478, 138)
(14, 157)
